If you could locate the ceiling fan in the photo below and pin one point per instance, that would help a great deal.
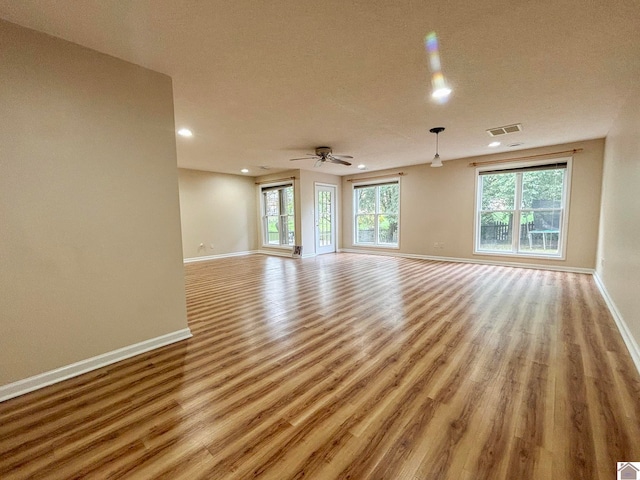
(323, 154)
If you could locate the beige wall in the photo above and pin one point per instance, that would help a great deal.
(218, 211)
(437, 206)
(90, 230)
(619, 246)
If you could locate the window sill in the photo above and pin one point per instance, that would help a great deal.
(371, 245)
(279, 247)
(519, 255)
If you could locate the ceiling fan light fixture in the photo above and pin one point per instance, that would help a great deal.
(325, 154)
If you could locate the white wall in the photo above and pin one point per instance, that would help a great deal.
(218, 211)
(437, 206)
(90, 231)
(619, 244)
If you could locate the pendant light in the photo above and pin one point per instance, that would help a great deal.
(436, 162)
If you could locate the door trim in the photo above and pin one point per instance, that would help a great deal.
(334, 216)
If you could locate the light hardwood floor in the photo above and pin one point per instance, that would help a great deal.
(351, 366)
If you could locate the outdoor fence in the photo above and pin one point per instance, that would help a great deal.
(274, 237)
(386, 236)
(500, 232)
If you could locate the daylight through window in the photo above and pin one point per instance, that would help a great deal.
(278, 219)
(377, 214)
(522, 211)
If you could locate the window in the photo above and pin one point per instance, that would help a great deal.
(377, 214)
(278, 220)
(522, 211)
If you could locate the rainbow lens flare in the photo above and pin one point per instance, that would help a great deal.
(440, 91)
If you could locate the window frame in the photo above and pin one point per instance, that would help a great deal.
(283, 217)
(518, 209)
(377, 184)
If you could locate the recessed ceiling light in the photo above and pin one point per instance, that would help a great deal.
(494, 144)
(185, 132)
(441, 93)
(245, 170)
(362, 166)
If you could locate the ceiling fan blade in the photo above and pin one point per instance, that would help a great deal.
(318, 163)
(337, 160)
(303, 158)
(342, 156)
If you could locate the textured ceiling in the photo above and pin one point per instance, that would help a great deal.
(261, 82)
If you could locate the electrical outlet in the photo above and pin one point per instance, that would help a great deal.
(211, 246)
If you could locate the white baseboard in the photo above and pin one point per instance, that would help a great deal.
(276, 253)
(30, 384)
(556, 268)
(629, 341)
(221, 255)
(284, 253)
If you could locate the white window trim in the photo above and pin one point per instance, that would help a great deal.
(263, 229)
(562, 253)
(336, 210)
(354, 204)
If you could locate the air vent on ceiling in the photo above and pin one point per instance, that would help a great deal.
(494, 132)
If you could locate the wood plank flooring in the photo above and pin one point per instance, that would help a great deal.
(351, 366)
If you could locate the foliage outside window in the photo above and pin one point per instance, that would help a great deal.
(522, 211)
(377, 209)
(278, 219)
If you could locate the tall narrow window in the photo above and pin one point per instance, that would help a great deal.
(278, 219)
(522, 211)
(377, 214)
